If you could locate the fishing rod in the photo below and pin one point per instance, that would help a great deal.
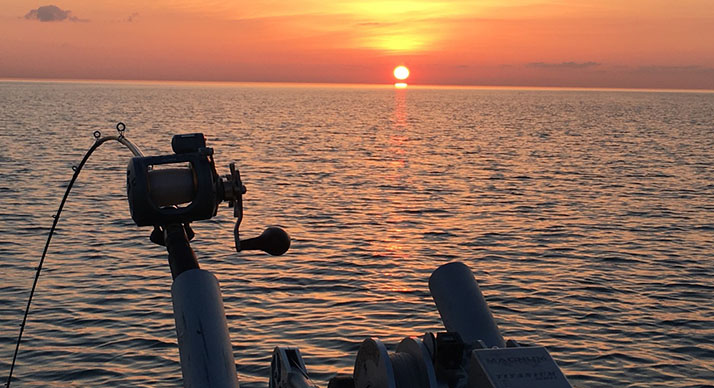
(98, 141)
(168, 192)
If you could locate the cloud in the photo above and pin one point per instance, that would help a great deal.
(132, 17)
(52, 13)
(563, 65)
(674, 69)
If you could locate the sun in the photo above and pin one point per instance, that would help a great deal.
(401, 73)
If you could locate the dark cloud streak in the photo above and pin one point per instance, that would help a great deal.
(674, 69)
(52, 13)
(563, 65)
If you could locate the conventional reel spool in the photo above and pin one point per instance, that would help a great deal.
(184, 187)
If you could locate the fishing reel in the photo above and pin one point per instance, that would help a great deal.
(185, 187)
(471, 353)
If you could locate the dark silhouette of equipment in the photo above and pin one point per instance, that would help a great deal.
(470, 354)
(184, 187)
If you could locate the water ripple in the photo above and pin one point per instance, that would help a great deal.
(586, 217)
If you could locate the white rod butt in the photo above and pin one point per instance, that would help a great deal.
(204, 343)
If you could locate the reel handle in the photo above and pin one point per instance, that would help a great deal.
(273, 240)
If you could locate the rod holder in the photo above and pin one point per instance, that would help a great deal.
(204, 343)
(462, 307)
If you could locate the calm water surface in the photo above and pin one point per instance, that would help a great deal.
(586, 216)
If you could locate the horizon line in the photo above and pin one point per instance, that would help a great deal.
(355, 84)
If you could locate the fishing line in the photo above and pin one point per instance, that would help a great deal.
(99, 140)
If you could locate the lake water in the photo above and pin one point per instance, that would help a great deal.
(586, 216)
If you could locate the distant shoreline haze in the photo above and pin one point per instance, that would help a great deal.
(354, 84)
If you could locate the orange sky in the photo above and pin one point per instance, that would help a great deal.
(598, 43)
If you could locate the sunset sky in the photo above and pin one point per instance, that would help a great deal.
(579, 43)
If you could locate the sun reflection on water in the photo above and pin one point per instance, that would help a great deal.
(579, 240)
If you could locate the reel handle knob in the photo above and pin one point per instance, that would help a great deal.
(273, 240)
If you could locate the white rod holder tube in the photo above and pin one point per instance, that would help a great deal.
(204, 343)
(461, 305)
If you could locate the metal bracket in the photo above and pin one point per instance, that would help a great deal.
(233, 193)
(287, 370)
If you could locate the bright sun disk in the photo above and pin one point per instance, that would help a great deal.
(401, 72)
